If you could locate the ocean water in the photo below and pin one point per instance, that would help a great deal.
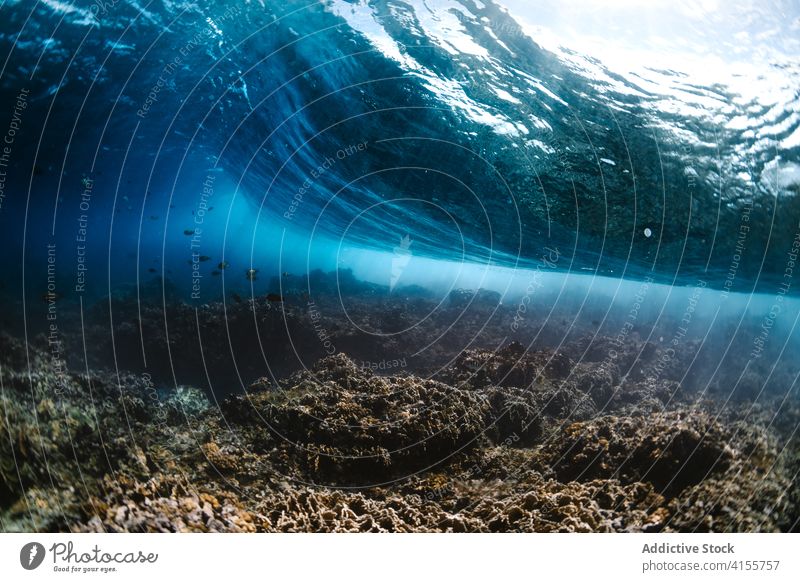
(479, 131)
(597, 170)
(444, 145)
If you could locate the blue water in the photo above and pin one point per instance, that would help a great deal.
(156, 142)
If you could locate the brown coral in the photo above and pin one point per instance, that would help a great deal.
(671, 450)
(356, 427)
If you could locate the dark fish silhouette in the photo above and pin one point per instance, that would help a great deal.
(250, 274)
(215, 273)
(188, 232)
(274, 297)
(223, 265)
(204, 258)
(151, 270)
(236, 297)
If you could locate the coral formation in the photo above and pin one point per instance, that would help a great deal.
(508, 436)
(354, 426)
(670, 450)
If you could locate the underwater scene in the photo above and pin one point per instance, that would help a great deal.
(399, 266)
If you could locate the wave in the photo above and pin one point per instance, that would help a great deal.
(483, 132)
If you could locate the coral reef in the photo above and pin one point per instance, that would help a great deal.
(596, 435)
(354, 426)
(670, 450)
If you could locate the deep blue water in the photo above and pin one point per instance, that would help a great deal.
(156, 141)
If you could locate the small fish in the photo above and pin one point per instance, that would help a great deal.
(215, 273)
(204, 258)
(250, 274)
(153, 217)
(236, 297)
(285, 274)
(48, 297)
(151, 270)
(188, 232)
(223, 265)
(274, 297)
